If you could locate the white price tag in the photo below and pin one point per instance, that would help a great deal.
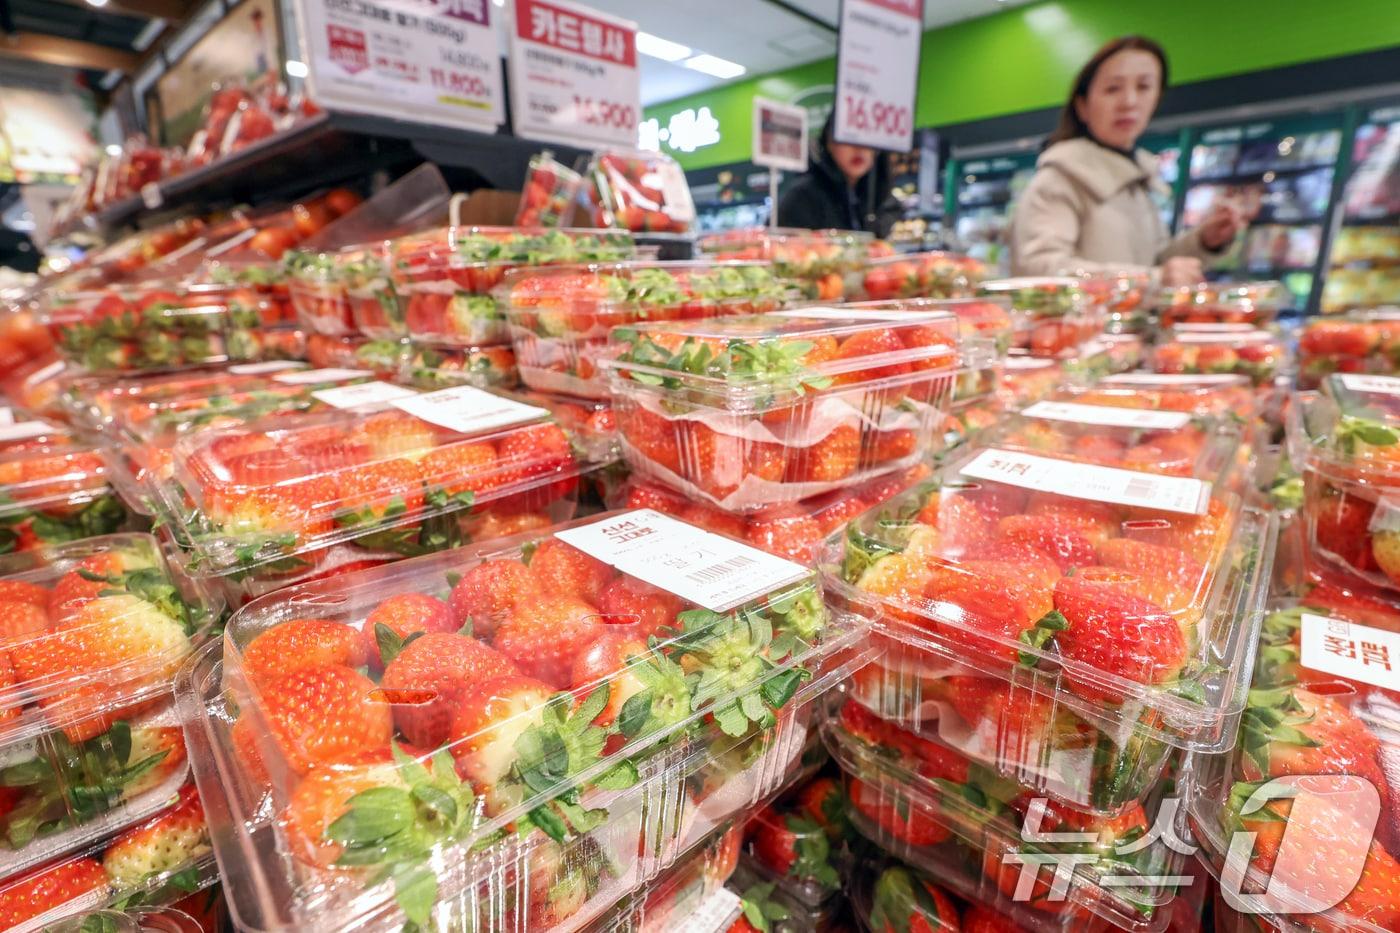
(1378, 385)
(704, 568)
(1087, 481)
(1234, 338)
(7, 416)
(362, 395)
(23, 429)
(311, 376)
(1169, 380)
(1346, 649)
(779, 135)
(469, 410)
(267, 366)
(877, 72)
(1108, 416)
(1214, 328)
(712, 915)
(151, 196)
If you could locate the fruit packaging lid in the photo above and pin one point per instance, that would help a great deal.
(258, 273)
(1127, 596)
(505, 247)
(258, 496)
(792, 352)
(984, 317)
(1236, 296)
(1047, 295)
(1351, 430)
(94, 400)
(330, 271)
(51, 476)
(891, 896)
(935, 261)
(1326, 694)
(639, 290)
(1227, 395)
(1229, 336)
(99, 624)
(985, 813)
(171, 304)
(788, 236)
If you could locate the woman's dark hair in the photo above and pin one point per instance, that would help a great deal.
(1071, 126)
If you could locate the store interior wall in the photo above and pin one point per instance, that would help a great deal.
(1024, 58)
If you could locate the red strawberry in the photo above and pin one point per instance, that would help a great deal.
(906, 818)
(868, 344)
(487, 594)
(376, 492)
(459, 469)
(393, 434)
(840, 511)
(996, 602)
(904, 903)
(1201, 536)
(642, 495)
(322, 797)
(47, 888)
(962, 525)
(533, 451)
(653, 437)
(544, 636)
(1111, 629)
(325, 714)
(1216, 359)
(1068, 543)
(17, 591)
(1340, 526)
(605, 662)
(561, 568)
(637, 607)
(830, 459)
(404, 615)
(20, 622)
(792, 846)
(720, 463)
(894, 445)
(822, 801)
(489, 720)
(175, 837)
(713, 519)
(428, 678)
(1171, 578)
(787, 531)
(88, 578)
(298, 643)
(982, 919)
(1007, 876)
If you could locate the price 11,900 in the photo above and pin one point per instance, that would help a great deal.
(877, 116)
(593, 112)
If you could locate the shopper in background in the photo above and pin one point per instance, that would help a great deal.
(844, 188)
(1089, 205)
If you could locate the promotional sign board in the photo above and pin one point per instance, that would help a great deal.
(779, 135)
(877, 72)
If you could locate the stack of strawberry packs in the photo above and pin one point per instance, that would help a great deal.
(817, 262)
(1222, 329)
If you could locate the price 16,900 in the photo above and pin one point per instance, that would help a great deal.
(877, 116)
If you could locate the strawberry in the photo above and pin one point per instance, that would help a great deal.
(544, 635)
(490, 719)
(50, 483)
(560, 568)
(398, 619)
(637, 607)
(792, 846)
(458, 472)
(325, 714)
(833, 458)
(840, 510)
(908, 819)
(787, 531)
(498, 523)
(1069, 543)
(712, 519)
(822, 801)
(1097, 520)
(323, 796)
(1007, 877)
(653, 437)
(89, 577)
(877, 342)
(980, 918)
(758, 912)
(1203, 537)
(643, 495)
(384, 492)
(1109, 628)
(275, 519)
(996, 600)
(48, 888)
(173, 838)
(531, 451)
(429, 675)
(720, 463)
(394, 434)
(1216, 359)
(904, 903)
(298, 643)
(962, 524)
(1170, 577)
(19, 622)
(109, 649)
(1385, 550)
(488, 593)
(17, 591)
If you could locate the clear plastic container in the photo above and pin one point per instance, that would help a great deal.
(787, 846)
(135, 920)
(751, 412)
(817, 260)
(1323, 721)
(682, 895)
(1123, 295)
(1345, 442)
(590, 422)
(385, 358)
(1026, 379)
(1057, 312)
(430, 366)
(560, 317)
(54, 489)
(934, 274)
(890, 896)
(445, 279)
(1359, 342)
(1258, 354)
(166, 326)
(1125, 351)
(1070, 641)
(299, 495)
(640, 191)
(601, 795)
(319, 288)
(1221, 394)
(767, 900)
(1221, 303)
(941, 813)
(549, 194)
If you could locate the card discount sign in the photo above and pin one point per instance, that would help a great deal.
(877, 72)
(435, 61)
(573, 75)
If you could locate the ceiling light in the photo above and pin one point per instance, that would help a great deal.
(714, 65)
(114, 150)
(296, 69)
(664, 49)
(97, 3)
(148, 34)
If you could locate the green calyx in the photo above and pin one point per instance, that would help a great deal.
(1354, 433)
(813, 851)
(899, 897)
(664, 700)
(1039, 635)
(759, 909)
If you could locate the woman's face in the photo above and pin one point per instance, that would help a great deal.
(854, 161)
(1122, 97)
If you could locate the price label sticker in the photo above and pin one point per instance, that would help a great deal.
(469, 410)
(307, 377)
(362, 395)
(18, 431)
(1174, 380)
(1345, 649)
(1378, 385)
(1108, 416)
(151, 196)
(706, 569)
(712, 915)
(7, 416)
(1088, 481)
(267, 366)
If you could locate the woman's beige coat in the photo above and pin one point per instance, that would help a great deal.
(1090, 208)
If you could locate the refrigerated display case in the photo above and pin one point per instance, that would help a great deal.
(985, 189)
(1364, 258)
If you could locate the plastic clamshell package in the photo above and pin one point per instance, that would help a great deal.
(1026, 379)
(817, 259)
(888, 886)
(1357, 342)
(678, 892)
(640, 191)
(1143, 648)
(551, 188)
(134, 920)
(385, 357)
(1258, 354)
(801, 918)
(750, 412)
(933, 274)
(621, 811)
(560, 316)
(812, 879)
(445, 278)
(1221, 303)
(432, 366)
(318, 287)
(1123, 294)
(297, 495)
(1045, 297)
(1325, 696)
(53, 489)
(1220, 394)
(167, 326)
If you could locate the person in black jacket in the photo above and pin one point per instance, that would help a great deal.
(836, 192)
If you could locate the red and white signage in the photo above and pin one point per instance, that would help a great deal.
(431, 61)
(573, 75)
(877, 72)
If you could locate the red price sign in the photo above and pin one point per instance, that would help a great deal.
(458, 84)
(877, 72)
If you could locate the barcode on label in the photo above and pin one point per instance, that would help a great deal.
(717, 572)
(1140, 488)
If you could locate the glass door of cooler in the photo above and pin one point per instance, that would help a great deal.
(985, 188)
(1363, 270)
(1281, 174)
(1167, 148)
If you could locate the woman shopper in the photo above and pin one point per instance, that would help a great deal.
(1089, 206)
(842, 189)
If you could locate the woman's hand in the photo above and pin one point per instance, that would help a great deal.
(1225, 221)
(1182, 270)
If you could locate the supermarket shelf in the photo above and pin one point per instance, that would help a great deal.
(1365, 265)
(1244, 178)
(1379, 220)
